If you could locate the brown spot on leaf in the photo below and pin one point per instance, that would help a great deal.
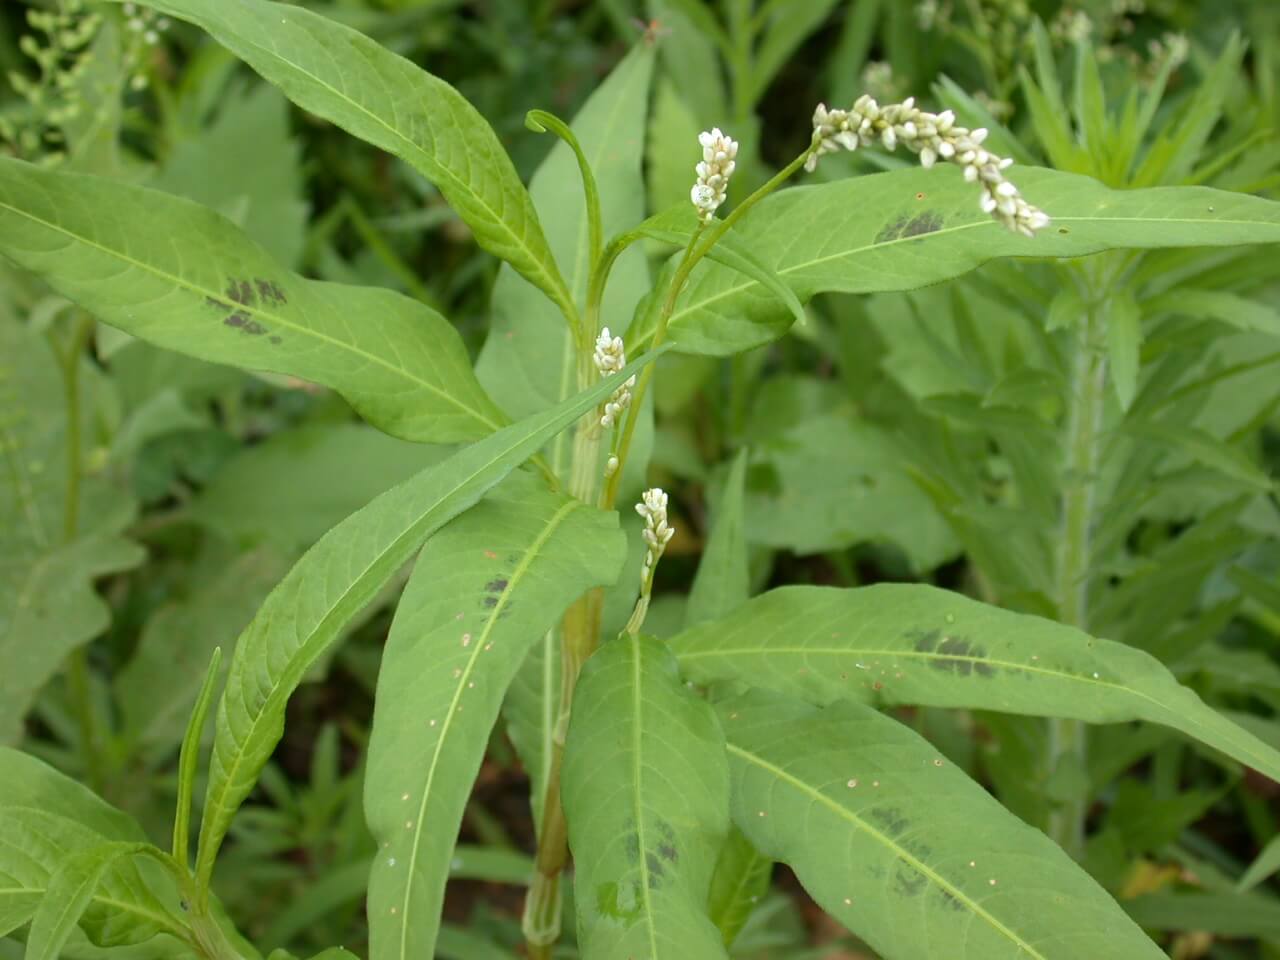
(927, 222)
(957, 655)
(891, 231)
(496, 585)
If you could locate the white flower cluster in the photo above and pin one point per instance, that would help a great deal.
(718, 154)
(657, 533)
(610, 357)
(935, 136)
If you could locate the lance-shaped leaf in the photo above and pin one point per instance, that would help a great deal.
(338, 73)
(181, 276)
(723, 581)
(70, 890)
(910, 643)
(483, 591)
(903, 848)
(901, 230)
(645, 793)
(48, 605)
(331, 584)
(45, 819)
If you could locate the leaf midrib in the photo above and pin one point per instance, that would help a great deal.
(818, 261)
(123, 906)
(517, 574)
(1173, 718)
(844, 813)
(637, 807)
(198, 290)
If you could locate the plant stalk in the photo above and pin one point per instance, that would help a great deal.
(1081, 449)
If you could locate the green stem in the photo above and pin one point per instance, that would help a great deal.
(1081, 455)
(78, 661)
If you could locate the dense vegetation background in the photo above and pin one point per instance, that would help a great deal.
(882, 436)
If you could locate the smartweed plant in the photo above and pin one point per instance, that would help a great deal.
(667, 775)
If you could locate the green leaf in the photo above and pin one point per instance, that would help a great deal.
(298, 483)
(46, 818)
(189, 759)
(740, 881)
(265, 198)
(1124, 343)
(723, 578)
(1205, 449)
(48, 605)
(180, 276)
(782, 33)
(332, 583)
(484, 589)
(1220, 305)
(909, 228)
(1264, 866)
(841, 481)
(339, 74)
(904, 849)
(645, 791)
(162, 678)
(528, 361)
(68, 893)
(1243, 915)
(900, 643)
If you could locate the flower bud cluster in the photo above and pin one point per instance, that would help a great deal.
(610, 357)
(657, 533)
(56, 94)
(717, 166)
(934, 136)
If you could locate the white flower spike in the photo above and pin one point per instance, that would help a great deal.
(718, 155)
(610, 357)
(934, 136)
(657, 532)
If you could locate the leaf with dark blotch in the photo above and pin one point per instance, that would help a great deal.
(904, 849)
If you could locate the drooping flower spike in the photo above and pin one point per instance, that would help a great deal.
(934, 136)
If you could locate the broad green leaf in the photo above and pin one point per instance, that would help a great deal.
(645, 793)
(528, 361)
(902, 848)
(68, 894)
(298, 483)
(339, 74)
(264, 197)
(48, 606)
(332, 583)
(909, 228)
(900, 643)
(740, 881)
(672, 147)
(484, 589)
(723, 578)
(182, 277)
(46, 818)
(841, 481)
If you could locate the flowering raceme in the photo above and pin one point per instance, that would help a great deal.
(934, 136)
(717, 166)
